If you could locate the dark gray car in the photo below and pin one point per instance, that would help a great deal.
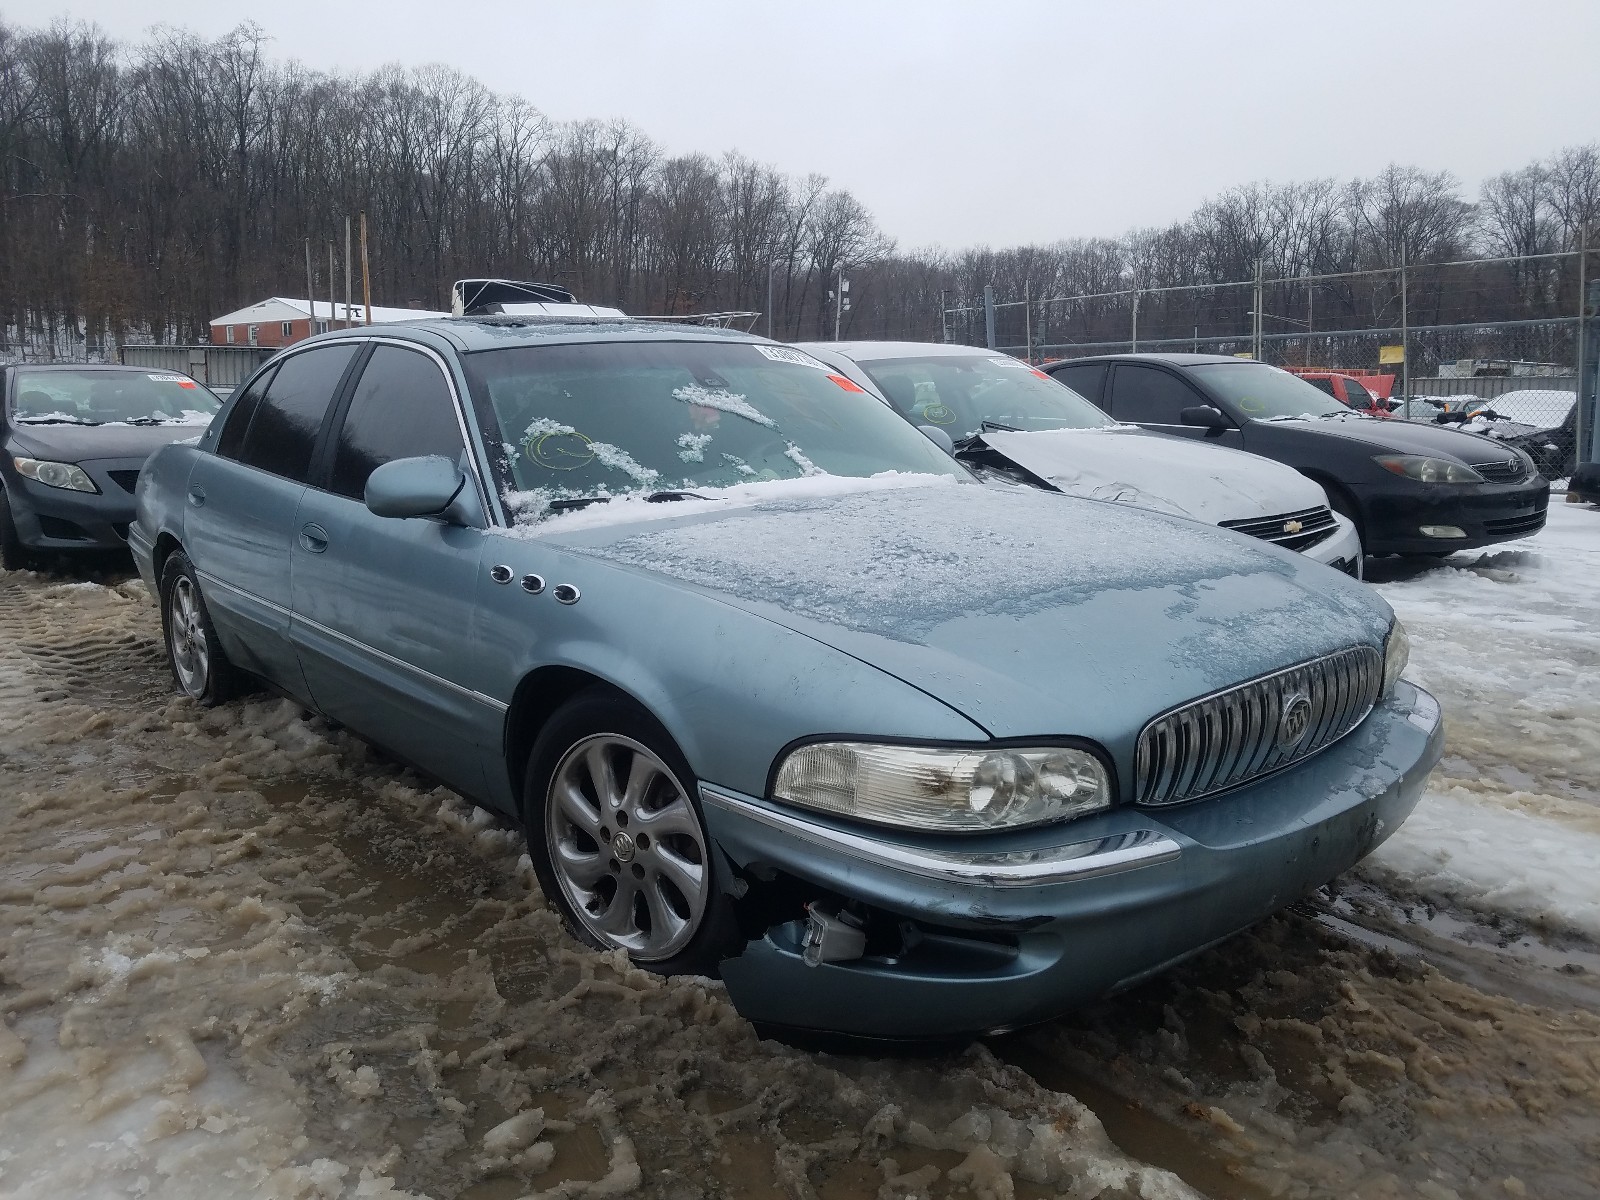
(75, 439)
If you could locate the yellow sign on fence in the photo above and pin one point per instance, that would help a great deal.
(1391, 356)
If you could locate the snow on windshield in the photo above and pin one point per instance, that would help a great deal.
(590, 421)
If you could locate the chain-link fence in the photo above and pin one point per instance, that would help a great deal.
(1502, 338)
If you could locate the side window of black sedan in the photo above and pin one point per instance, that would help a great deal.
(1149, 395)
(401, 409)
(1087, 379)
(283, 432)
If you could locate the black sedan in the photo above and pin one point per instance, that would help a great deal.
(74, 439)
(1410, 489)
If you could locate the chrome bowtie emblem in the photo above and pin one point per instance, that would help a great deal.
(622, 847)
(1295, 721)
(1292, 527)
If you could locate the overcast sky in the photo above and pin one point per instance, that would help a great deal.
(996, 122)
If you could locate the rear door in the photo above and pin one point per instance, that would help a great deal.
(383, 606)
(239, 517)
(1152, 396)
(1088, 379)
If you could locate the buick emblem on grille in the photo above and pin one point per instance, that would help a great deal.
(1292, 527)
(1295, 721)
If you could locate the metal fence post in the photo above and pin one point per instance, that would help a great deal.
(1135, 348)
(1583, 421)
(1027, 317)
(988, 314)
(1255, 323)
(1405, 330)
(1588, 414)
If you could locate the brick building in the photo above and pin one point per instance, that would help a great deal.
(280, 321)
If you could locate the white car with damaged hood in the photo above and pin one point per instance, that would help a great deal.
(1005, 418)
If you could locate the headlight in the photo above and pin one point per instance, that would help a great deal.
(54, 474)
(1428, 470)
(1396, 653)
(950, 790)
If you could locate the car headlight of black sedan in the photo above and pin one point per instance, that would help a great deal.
(55, 474)
(1428, 470)
(956, 789)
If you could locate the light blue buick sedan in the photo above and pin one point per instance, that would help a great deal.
(775, 689)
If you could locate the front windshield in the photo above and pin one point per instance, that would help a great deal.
(1262, 393)
(960, 392)
(91, 397)
(604, 419)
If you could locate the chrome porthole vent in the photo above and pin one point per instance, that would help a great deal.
(500, 573)
(533, 584)
(565, 593)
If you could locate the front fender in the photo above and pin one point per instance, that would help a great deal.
(732, 688)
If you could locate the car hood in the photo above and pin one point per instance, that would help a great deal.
(1167, 474)
(1027, 611)
(1400, 437)
(88, 443)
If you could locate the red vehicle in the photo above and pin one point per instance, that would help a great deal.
(1361, 395)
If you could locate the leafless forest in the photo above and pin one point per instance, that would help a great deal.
(147, 187)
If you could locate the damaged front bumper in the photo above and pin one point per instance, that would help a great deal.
(975, 936)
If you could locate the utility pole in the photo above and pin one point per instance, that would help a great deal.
(1135, 347)
(841, 302)
(366, 275)
(944, 315)
(330, 286)
(771, 263)
(311, 293)
(1311, 292)
(347, 270)
(988, 314)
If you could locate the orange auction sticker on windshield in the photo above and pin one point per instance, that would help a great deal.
(182, 381)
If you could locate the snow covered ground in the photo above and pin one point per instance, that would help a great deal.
(241, 955)
(1509, 640)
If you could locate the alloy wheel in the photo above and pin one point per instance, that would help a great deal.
(186, 637)
(627, 847)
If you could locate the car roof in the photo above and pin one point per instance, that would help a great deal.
(119, 367)
(1176, 360)
(871, 351)
(498, 332)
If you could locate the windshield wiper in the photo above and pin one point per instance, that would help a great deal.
(56, 421)
(986, 424)
(145, 421)
(573, 503)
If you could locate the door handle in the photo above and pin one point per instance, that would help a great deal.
(314, 538)
(197, 495)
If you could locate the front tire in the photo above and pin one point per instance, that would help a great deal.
(618, 842)
(12, 555)
(199, 667)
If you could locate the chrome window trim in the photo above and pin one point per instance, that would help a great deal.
(466, 692)
(1069, 862)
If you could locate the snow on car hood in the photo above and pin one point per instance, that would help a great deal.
(1172, 475)
(1027, 611)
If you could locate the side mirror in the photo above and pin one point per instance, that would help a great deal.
(416, 487)
(1203, 416)
(938, 437)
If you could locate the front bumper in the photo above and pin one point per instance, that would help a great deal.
(1341, 550)
(51, 518)
(1485, 514)
(1037, 922)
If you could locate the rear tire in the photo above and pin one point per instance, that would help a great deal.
(615, 833)
(199, 667)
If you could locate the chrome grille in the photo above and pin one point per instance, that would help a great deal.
(1291, 530)
(1510, 470)
(1229, 738)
